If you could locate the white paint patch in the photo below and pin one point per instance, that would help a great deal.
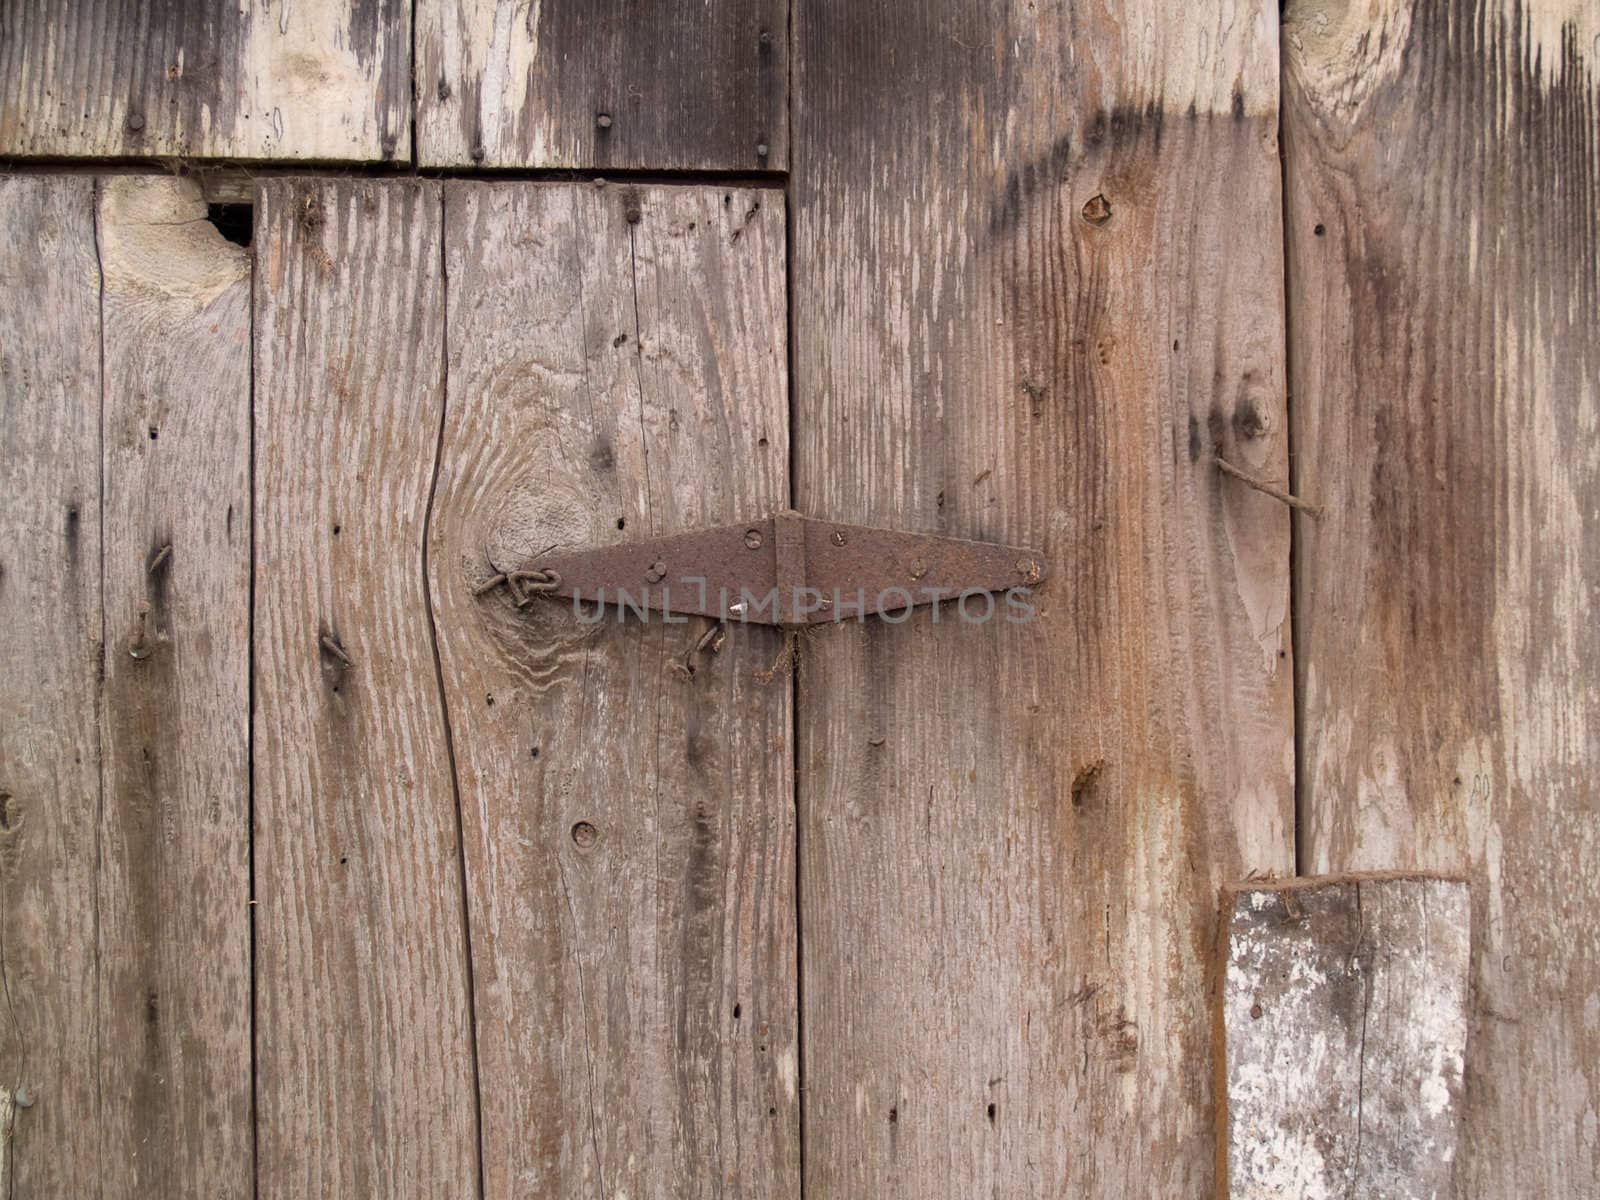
(787, 1073)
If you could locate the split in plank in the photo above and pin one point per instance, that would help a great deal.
(1344, 1014)
(364, 1050)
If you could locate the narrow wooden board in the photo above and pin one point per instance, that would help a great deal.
(1444, 266)
(49, 682)
(618, 370)
(364, 1049)
(1012, 835)
(1344, 1014)
(322, 80)
(174, 839)
(606, 83)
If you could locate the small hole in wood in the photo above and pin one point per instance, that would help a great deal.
(772, 1112)
(737, 1009)
(622, 522)
(336, 529)
(154, 433)
(236, 222)
(489, 700)
(343, 859)
(762, 442)
(534, 753)
(1320, 229)
(894, 1115)
(991, 1114)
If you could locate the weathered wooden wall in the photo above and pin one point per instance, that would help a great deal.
(1443, 162)
(492, 900)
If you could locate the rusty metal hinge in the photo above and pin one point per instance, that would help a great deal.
(785, 569)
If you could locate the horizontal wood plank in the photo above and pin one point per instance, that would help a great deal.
(603, 84)
(325, 79)
(617, 371)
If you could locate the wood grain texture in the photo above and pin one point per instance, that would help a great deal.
(1012, 835)
(364, 1051)
(324, 79)
(1444, 260)
(49, 681)
(606, 83)
(617, 371)
(1344, 1010)
(174, 840)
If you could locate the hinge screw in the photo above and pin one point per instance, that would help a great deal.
(752, 539)
(838, 537)
(656, 573)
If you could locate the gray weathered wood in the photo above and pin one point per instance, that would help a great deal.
(174, 839)
(49, 664)
(605, 83)
(617, 370)
(1012, 835)
(1344, 1013)
(323, 79)
(1444, 266)
(364, 1051)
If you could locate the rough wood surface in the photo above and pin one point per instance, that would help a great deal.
(1034, 306)
(49, 666)
(605, 83)
(617, 370)
(174, 841)
(1344, 1013)
(324, 79)
(1444, 262)
(364, 1052)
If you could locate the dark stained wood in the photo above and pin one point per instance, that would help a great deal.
(1444, 263)
(364, 1051)
(174, 840)
(49, 667)
(617, 370)
(323, 80)
(1343, 1003)
(1037, 289)
(603, 83)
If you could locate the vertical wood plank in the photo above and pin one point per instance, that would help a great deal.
(1444, 264)
(364, 1051)
(607, 83)
(1034, 306)
(49, 680)
(1344, 1010)
(617, 371)
(174, 844)
(328, 79)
